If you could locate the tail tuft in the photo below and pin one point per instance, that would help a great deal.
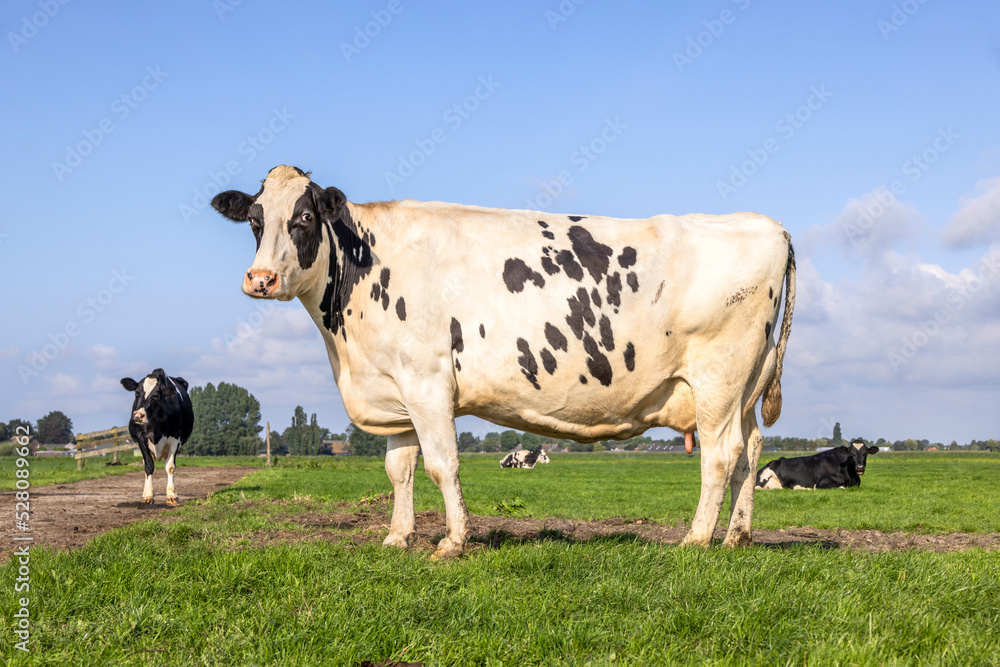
(770, 408)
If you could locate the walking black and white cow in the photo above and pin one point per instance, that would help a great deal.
(835, 468)
(524, 458)
(568, 326)
(162, 420)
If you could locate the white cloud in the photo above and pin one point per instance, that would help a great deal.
(978, 219)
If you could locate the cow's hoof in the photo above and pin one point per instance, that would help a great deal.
(172, 500)
(148, 501)
(737, 539)
(444, 554)
(400, 541)
(691, 541)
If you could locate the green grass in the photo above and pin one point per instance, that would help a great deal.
(193, 592)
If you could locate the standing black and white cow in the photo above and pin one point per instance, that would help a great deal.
(524, 458)
(567, 326)
(162, 420)
(835, 468)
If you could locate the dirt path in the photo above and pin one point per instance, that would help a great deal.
(65, 516)
(371, 524)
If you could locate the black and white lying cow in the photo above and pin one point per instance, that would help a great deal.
(567, 326)
(835, 468)
(162, 420)
(524, 458)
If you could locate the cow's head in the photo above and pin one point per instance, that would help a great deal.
(288, 216)
(542, 457)
(156, 397)
(859, 452)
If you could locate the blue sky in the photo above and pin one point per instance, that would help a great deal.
(869, 129)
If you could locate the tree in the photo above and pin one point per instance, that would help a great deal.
(491, 443)
(364, 443)
(54, 428)
(226, 421)
(838, 438)
(277, 442)
(509, 440)
(531, 441)
(305, 436)
(19, 427)
(467, 442)
(5, 433)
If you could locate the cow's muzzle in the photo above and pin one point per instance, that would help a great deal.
(261, 283)
(861, 470)
(139, 417)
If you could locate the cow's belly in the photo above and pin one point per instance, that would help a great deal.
(590, 415)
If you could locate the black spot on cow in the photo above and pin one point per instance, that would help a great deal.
(775, 302)
(543, 224)
(305, 227)
(770, 292)
(627, 258)
(384, 278)
(355, 262)
(548, 235)
(595, 296)
(607, 335)
(630, 357)
(256, 216)
(580, 313)
(401, 309)
(457, 343)
(348, 312)
(548, 361)
(555, 337)
(615, 289)
(371, 236)
(577, 218)
(458, 364)
(594, 256)
(568, 262)
(597, 363)
(633, 281)
(549, 266)
(669, 332)
(516, 273)
(385, 300)
(376, 292)
(529, 367)
(583, 379)
(767, 329)
(482, 331)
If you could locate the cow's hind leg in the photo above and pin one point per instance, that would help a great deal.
(721, 448)
(400, 464)
(741, 485)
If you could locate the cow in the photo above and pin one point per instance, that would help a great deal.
(524, 458)
(568, 326)
(162, 420)
(835, 468)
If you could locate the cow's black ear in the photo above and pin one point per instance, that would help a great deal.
(182, 382)
(233, 204)
(872, 449)
(129, 384)
(331, 199)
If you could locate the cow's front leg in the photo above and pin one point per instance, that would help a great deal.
(174, 445)
(147, 489)
(400, 464)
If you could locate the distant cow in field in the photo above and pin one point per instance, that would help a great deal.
(524, 459)
(162, 420)
(833, 469)
(622, 325)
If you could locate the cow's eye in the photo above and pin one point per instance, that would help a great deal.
(307, 217)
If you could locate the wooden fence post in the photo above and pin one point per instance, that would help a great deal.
(268, 439)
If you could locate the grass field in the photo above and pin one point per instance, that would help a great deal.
(197, 591)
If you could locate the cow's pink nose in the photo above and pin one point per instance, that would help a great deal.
(260, 282)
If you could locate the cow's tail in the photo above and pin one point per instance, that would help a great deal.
(771, 407)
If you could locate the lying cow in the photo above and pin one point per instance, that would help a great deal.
(524, 458)
(620, 326)
(162, 420)
(833, 469)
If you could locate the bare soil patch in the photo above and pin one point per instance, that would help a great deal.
(65, 516)
(370, 523)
